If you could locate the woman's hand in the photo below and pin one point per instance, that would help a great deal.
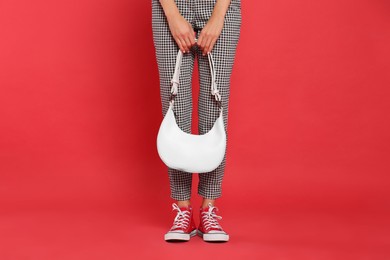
(180, 28)
(182, 32)
(209, 34)
(213, 28)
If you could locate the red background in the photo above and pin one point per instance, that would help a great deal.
(307, 173)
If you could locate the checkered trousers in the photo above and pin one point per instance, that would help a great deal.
(197, 13)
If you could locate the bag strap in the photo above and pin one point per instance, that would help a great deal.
(176, 74)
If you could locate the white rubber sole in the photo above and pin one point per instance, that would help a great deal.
(214, 237)
(179, 236)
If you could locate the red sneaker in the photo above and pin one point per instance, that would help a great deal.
(209, 227)
(183, 227)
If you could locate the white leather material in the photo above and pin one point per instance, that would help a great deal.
(187, 152)
(191, 153)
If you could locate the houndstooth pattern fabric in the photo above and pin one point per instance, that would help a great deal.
(197, 13)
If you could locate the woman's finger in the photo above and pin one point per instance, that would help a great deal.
(199, 41)
(184, 44)
(188, 42)
(192, 40)
(189, 39)
(178, 41)
(191, 36)
(213, 41)
(207, 45)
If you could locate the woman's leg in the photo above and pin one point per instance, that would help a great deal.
(166, 51)
(224, 51)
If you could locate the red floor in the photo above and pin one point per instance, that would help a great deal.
(121, 233)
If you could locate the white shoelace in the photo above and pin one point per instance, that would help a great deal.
(210, 218)
(182, 218)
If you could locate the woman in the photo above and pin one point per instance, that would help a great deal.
(196, 27)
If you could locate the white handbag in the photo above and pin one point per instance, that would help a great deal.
(187, 152)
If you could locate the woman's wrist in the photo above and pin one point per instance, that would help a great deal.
(217, 17)
(220, 9)
(172, 13)
(218, 14)
(170, 8)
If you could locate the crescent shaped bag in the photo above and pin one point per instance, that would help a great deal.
(184, 151)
